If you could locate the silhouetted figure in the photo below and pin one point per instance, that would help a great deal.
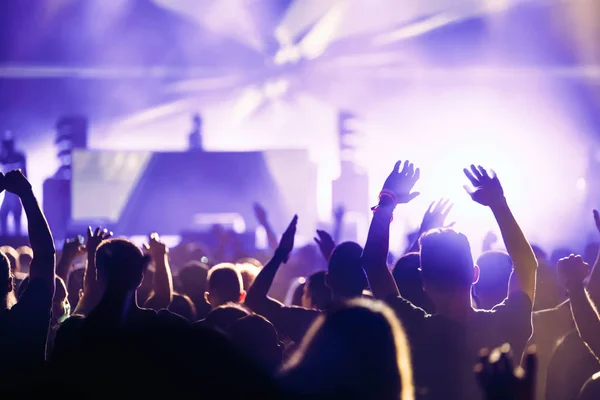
(195, 136)
(11, 159)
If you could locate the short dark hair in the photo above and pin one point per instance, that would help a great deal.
(346, 275)
(193, 278)
(225, 281)
(495, 268)
(410, 285)
(446, 260)
(13, 257)
(121, 262)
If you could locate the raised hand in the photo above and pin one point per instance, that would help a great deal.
(485, 188)
(72, 248)
(489, 240)
(260, 213)
(95, 238)
(155, 247)
(435, 216)
(286, 244)
(572, 271)
(15, 182)
(597, 219)
(401, 182)
(325, 243)
(338, 213)
(500, 381)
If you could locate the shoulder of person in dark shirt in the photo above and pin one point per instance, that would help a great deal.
(293, 322)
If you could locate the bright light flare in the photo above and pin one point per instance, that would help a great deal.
(537, 155)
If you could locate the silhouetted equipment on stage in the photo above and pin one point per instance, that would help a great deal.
(71, 134)
(134, 193)
(351, 189)
(11, 159)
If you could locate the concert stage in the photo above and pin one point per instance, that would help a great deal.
(134, 193)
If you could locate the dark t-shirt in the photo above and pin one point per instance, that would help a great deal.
(445, 351)
(23, 330)
(293, 322)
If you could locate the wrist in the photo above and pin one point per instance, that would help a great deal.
(499, 204)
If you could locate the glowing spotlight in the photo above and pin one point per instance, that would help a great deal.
(302, 280)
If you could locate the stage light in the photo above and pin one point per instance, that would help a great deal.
(539, 156)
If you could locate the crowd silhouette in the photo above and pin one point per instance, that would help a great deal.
(111, 319)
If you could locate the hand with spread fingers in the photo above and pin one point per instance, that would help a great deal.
(435, 216)
(325, 243)
(155, 247)
(401, 182)
(485, 188)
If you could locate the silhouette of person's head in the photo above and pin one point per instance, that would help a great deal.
(337, 356)
(13, 257)
(495, 268)
(6, 278)
(447, 267)
(75, 286)
(345, 275)
(183, 305)
(121, 265)
(316, 293)
(61, 307)
(256, 337)
(193, 278)
(409, 282)
(224, 285)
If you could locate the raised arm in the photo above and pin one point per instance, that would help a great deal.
(163, 281)
(396, 190)
(92, 291)
(71, 249)
(572, 272)
(594, 281)
(487, 190)
(338, 223)
(261, 216)
(43, 264)
(257, 298)
(435, 217)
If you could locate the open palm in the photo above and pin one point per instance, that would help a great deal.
(485, 188)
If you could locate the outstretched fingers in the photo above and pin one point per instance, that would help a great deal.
(483, 172)
(471, 178)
